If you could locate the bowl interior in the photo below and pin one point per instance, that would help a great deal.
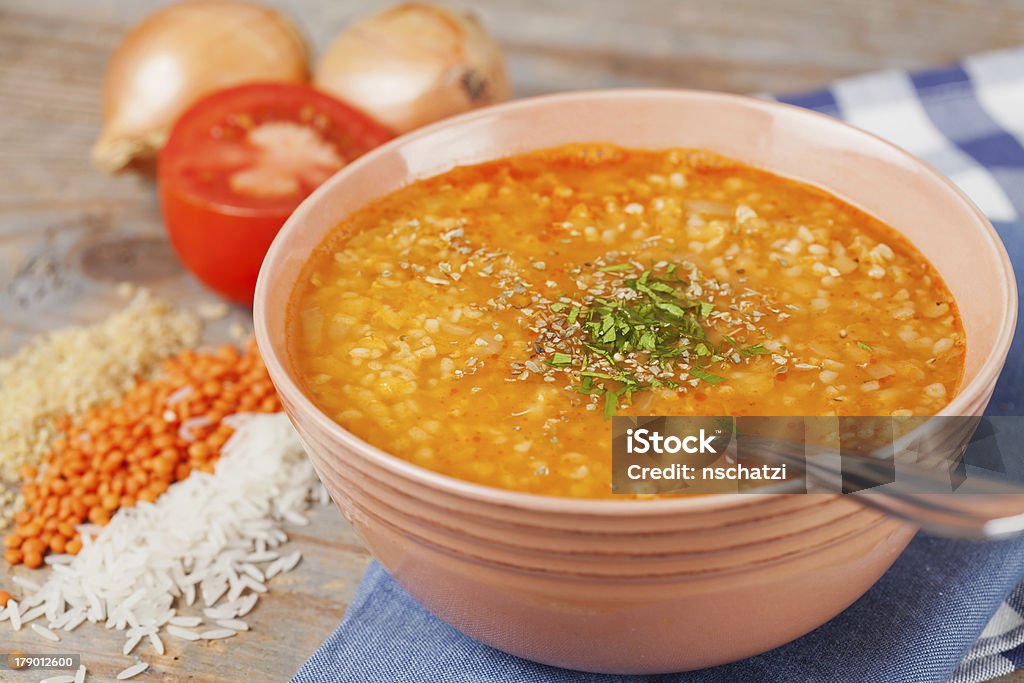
(867, 172)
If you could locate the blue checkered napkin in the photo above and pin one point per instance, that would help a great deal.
(947, 610)
(966, 120)
(1000, 649)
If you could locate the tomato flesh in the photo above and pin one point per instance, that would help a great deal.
(236, 165)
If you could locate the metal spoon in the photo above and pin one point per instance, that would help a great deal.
(981, 507)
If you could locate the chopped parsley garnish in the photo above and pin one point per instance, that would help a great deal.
(864, 346)
(746, 351)
(560, 359)
(611, 402)
(656, 320)
(646, 332)
(706, 376)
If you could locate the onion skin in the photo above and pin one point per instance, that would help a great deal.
(177, 55)
(414, 64)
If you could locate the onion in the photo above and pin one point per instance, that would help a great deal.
(414, 64)
(177, 55)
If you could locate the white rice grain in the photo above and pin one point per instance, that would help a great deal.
(233, 624)
(80, 674)
(217, 634)
(236, 590)
(12, 612)
(63, 619)
(213, 590)
(254, 572)
(285, 564)
(295, 518)
(132, 671)
(45, 633)
(188, 622)
(246, 604)
(182, 633)
(130, 644)
(290, 561)
(76, 621)
(32, 614)
(219, 612)
(27, 584)
(157, 644)
(179, 395)
(264, 556)
(198, 422)
(274, 569)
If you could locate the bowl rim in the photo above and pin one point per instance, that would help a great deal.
(535, 502)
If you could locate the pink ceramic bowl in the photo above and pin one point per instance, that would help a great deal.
(635, 586)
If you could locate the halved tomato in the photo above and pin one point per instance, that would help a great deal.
(236, 165)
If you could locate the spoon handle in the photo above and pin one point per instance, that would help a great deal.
(980, 507)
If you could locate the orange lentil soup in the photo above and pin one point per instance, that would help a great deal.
(486, 322)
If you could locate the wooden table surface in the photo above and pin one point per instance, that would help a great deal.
(68, 233)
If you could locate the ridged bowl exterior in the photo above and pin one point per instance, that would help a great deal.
(635, 586)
